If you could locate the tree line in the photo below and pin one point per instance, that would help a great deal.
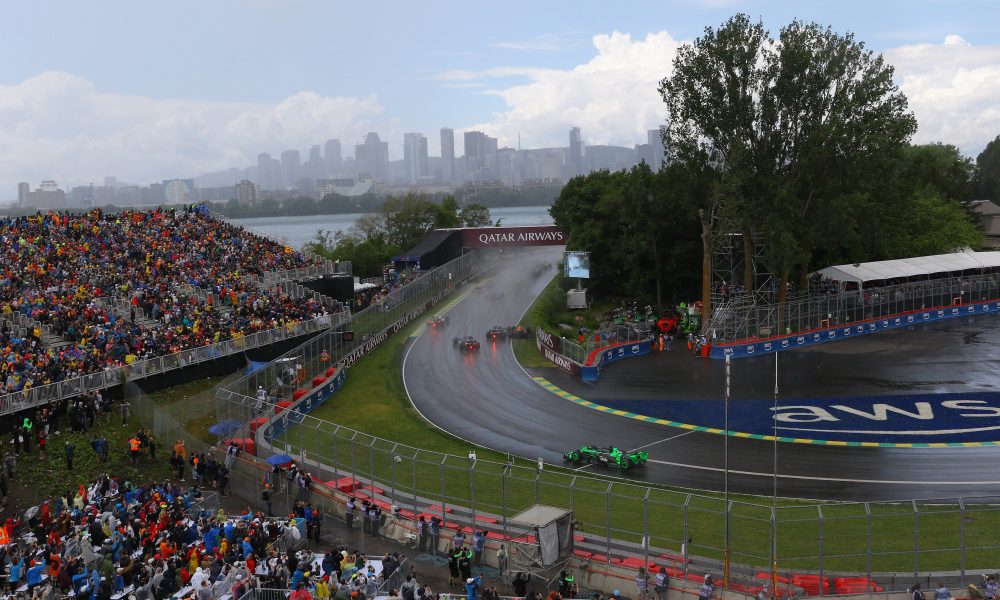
(399, 223)
(799, 144)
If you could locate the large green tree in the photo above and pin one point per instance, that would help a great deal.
(792, 128)
(988, 175)
(715, 122)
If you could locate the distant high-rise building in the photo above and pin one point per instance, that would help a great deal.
(655, 140)
(110, 181)
(480, 156)
(246, 192)
(447, 155)
(48, 195)
(415, 156)
(334, 159)
(315, 167)
(508, 171)
(371, 158)
(268, 172)
(576, 150)
(291, 165)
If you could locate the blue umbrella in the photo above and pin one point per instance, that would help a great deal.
(279, 459)
(224, 427)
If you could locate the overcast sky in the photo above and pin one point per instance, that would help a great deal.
(153, 90)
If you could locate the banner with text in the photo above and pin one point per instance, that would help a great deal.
(501, 237)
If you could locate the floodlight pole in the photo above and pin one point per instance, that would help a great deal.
(774, 483)
(725, 572)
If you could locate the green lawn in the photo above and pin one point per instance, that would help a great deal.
(48, 477)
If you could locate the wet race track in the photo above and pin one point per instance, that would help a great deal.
(903, 414)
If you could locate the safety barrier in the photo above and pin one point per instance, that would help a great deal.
(600, 357)
(840, 332)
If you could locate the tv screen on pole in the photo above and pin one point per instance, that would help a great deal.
(577, 264)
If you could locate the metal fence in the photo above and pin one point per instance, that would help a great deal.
(895, 543)
(370, 327)
(90, 382)
(614, 334)
(746, 317)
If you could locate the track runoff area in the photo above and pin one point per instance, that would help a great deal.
(906, 414)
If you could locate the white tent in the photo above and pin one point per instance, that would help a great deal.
(920, 266)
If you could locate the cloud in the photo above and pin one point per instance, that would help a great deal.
(952, 88)
(60, 126)
(549, 42)
(613, 97)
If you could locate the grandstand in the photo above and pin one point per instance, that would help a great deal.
(87, 300)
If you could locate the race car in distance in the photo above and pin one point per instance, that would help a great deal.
(466, 344)
(437, 322)
(610, 455)
(499, 332)
(519, 331)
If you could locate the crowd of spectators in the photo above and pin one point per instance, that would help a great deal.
(63, 270)
(150, 540)
(392, 280)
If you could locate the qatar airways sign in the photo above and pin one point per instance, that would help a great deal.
(500, 237)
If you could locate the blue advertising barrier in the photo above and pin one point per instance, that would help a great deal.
(592, 372)
(296, 413)
(799, 340)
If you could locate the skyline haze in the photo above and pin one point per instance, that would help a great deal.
(155, 92)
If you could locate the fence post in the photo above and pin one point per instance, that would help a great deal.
(392, 472)
(413, 489)
(354, 469)
(371, 462)
(868, 539)
(503, 501)
(444, 491)
(572, 494)
(687, 534)
(961, 541)
(607, 521)
(335, 459)
(471, 471)
(822, 540)
(645, 529)
(916, 539)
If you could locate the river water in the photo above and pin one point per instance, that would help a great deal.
(297, 231)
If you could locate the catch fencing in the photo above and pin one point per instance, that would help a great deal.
(368, 328)
(894, 543)
(745, 317)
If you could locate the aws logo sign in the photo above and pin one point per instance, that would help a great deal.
(909, 419)
(902, 419)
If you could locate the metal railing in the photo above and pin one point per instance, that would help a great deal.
(370, 328)
(615, 334)
(745, 317)
(90, 382)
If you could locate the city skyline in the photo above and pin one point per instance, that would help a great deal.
(183, 95)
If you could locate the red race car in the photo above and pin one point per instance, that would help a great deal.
(437, 322)
(466, 344)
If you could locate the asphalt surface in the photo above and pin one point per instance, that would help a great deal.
(488, 399)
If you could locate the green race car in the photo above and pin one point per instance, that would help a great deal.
(610, 455)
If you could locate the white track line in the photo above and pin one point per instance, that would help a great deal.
(828, 479)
